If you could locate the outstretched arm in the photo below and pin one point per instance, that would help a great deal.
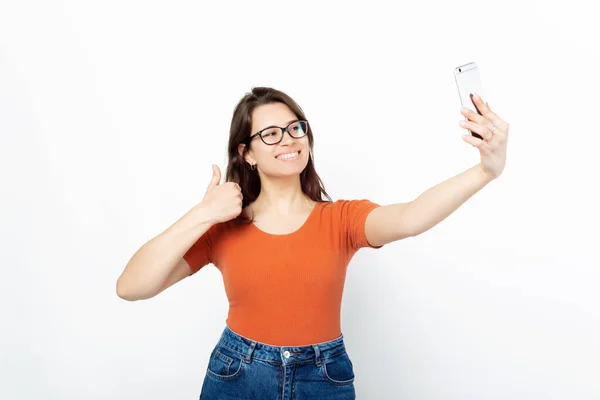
(393, 222)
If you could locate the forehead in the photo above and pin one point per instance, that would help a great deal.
(271, 114)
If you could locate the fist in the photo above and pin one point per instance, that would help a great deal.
(223, 202)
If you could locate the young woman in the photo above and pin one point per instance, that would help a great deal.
(283, 250)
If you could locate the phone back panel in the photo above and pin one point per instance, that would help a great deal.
(468, 81)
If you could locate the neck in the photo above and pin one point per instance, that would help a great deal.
(283, 197)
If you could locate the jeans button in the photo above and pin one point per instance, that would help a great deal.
(286, 354)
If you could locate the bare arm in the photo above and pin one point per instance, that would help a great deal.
(159, 263)
(397, 221)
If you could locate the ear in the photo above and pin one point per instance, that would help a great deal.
(248, 157)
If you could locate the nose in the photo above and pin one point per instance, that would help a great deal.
(287, 139)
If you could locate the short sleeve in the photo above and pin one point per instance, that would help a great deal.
(354, 215)
(200, 254)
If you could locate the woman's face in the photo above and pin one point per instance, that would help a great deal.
(265, 156)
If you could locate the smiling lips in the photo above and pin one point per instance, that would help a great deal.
(286, 156)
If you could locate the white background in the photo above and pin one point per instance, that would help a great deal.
(112, 112)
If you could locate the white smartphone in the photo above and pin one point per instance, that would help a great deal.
(468, 82)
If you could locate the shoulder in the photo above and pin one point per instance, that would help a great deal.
(222, 228)
(349, 211)
(350, 206)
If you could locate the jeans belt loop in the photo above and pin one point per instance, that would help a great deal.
(317, 355)
(248, 356)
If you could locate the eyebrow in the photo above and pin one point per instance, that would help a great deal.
(275, 126)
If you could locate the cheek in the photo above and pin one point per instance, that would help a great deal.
(305, 144)
(265, 154)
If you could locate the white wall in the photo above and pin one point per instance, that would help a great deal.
(112, 112)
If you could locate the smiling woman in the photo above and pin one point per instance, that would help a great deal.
(266, 226)
(285, 232)
(266, 125)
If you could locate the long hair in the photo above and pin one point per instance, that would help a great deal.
(238, 170)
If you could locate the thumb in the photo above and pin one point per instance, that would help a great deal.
(216, 178)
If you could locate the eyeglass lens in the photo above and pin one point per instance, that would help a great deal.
(273, 135)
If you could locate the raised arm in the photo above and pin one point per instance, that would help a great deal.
(159, 263)
(398, 221)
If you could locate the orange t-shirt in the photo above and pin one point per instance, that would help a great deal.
(286, 290)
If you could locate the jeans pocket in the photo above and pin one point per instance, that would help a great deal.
(224, 363)
(338, 370)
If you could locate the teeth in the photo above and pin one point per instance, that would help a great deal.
(289, 155)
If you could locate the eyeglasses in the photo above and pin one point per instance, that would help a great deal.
(274, 134)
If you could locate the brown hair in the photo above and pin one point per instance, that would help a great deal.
(238, 170)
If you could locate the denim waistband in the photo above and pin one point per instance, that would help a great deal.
(250, 349)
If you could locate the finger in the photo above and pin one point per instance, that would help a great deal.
(216, 177)
(475, 142)
(481, 106)
(486, 111)
(235, 185)
(473, 127)
(473, 116)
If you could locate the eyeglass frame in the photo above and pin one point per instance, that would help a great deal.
(259, 133)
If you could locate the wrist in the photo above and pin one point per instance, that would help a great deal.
(201, 214)
(487, 177)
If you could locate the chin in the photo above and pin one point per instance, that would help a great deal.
(289, 170)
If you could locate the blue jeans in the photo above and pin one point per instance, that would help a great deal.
(242, 368)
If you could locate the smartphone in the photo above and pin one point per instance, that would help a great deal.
(468, 82)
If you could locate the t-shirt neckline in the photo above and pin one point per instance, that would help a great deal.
(302, 227)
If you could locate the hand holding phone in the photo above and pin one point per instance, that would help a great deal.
(468, 83)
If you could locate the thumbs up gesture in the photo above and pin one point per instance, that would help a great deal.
(223, 202)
